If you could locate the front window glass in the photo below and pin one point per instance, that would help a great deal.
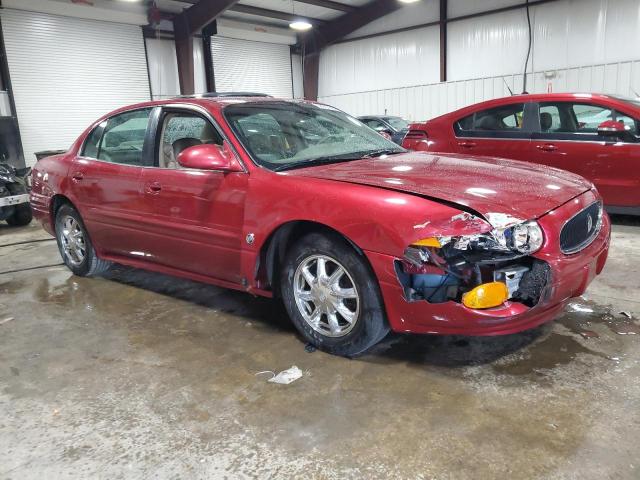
(183, 130)
(629, 123)
(282, 135)
(123, 138)
(397, 123)
(588, 117)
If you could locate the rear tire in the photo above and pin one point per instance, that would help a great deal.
(21, 215)
(75, 245)
(332, 296)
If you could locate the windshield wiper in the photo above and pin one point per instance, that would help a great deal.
(312, 162)
(382, 151)
(343, 157)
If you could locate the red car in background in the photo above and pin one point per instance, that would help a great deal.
(595, 136)
(300, 201)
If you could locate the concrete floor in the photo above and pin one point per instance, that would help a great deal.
(139, 375)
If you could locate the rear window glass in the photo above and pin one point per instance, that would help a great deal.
(506, 118)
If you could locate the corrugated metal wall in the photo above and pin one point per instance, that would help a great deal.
(427, 101)
(246, 65)
(578, 45)
(66, 72)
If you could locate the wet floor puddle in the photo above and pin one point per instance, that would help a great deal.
(577, 333)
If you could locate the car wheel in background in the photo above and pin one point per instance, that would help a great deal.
(21, 215)
(75, 246)
(332, 296)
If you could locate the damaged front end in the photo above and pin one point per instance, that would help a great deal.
(480, 270)
(14, 195)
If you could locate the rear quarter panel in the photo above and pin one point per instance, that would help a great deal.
(49, 177)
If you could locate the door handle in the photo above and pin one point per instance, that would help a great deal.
(467, 144)
(547, 147)
(154, 187)
(77, 176)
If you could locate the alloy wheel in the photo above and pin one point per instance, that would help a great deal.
(326, 296)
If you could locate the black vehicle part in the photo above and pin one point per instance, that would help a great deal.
(533, 283)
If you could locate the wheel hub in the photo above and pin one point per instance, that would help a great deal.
(326, 296)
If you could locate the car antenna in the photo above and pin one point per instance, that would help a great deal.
(507, 85)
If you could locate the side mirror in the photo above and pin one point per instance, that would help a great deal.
(611, 128)
(209, 157)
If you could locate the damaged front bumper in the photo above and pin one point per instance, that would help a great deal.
(559, 277)
(14, 200)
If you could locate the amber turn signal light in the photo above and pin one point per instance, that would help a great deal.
(487, 295)
(427, 242)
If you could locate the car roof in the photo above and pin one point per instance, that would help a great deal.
(207, 101)
(532, 97)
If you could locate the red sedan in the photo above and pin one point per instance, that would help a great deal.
(595, 136)
(300, 201)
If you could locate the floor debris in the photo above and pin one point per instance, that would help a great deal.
(6, 320)
(287, 376)
(626, 314)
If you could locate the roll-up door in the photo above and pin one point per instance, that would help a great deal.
(246, 65)
(66, 72)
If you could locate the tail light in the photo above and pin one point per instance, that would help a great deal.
(416, 135)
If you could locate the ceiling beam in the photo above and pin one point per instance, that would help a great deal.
(334, 30)
(330, 5)
(349, 22)
(201, 13)
(185, 25)
(263, 12)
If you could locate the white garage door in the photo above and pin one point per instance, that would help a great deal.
(245, 65)
(66, 72)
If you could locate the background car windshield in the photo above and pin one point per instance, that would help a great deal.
(397, 123)
(279, 133)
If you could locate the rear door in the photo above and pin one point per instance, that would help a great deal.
(567, 138)
(503, 131)
(197, 215)
(105, 181)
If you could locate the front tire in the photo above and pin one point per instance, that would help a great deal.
(75, 246)
(332, 296)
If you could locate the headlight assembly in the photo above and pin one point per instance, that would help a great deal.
(522, 238)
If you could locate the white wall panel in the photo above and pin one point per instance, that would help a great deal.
(578, 45)
(244, 65)
(163, 68)
(427, 101)
(66, 72)
(396, 60)
(296, 71)
(491, 45)
(199, 73)
(424, 11)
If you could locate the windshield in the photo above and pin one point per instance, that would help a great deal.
(282, 135)
(397, 123)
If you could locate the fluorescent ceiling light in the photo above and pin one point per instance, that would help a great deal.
(409, 1)
(300, 25)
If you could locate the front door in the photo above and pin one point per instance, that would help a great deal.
(568, 139)
(105, 182)
(197, 214)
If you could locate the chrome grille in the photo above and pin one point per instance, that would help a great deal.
(581, 229)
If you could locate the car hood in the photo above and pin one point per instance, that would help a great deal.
(498, 189)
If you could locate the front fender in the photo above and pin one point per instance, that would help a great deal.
(374, 219)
